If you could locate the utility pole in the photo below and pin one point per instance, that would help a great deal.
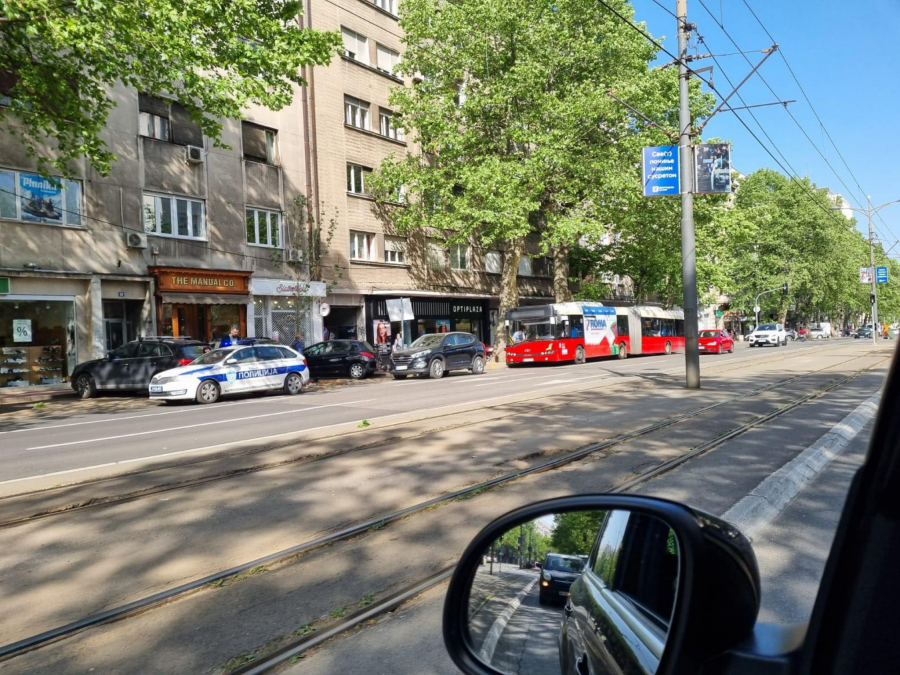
(688, 246)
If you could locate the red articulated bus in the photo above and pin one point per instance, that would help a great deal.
(576, 331)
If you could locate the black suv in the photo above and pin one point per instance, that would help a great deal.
(436, 353)
(133, 365)
(341, 358)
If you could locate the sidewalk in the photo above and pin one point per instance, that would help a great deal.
(43, 392)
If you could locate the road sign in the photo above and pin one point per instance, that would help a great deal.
(756, 309)
(661, 171)
(865, 275)
(881, 275)
(712, 164)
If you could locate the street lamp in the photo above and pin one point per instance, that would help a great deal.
(870, 211)
(783, 288)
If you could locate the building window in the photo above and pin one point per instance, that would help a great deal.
(33, 199)
(362, 246)
(263, 228)
(356, 179)
(356, 46)
(259, 143)
(387, 5)
(169, 216)
(493, 262)
(542, 267)
(459, 257)
(154, 126)
(435, 255)
(525, 266)
(387, 59)
(356, 113)
(389, 125)
(395, 250)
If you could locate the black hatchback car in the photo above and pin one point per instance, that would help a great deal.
(341, 358)
(133, 365)
(436, 353)
(558, 573)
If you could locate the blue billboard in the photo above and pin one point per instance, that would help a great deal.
(661, 171)
(881, 275)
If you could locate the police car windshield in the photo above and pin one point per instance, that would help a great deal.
(215, 356)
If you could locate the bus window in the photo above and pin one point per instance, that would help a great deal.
(650, 327)
(679, 327)
(576, 327)
(622, 325)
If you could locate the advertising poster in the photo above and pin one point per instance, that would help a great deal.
(661, 171)
(600, 326)
(865, 275)
(382, 332)
(21, 330)
(41, 202)
(442, 325)
(712, 162)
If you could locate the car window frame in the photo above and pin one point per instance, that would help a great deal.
(240, 350)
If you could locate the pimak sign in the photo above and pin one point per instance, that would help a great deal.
(182, 280)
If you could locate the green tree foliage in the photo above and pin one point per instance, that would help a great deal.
(59, 60)
(574, 533)
(519, 134)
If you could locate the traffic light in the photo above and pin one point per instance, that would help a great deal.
(872, 298)
(784, 288)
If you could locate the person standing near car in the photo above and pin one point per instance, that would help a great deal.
(398, 342)
(297, 344)
(232, 338)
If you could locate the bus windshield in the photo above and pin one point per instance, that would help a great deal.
(531, 330)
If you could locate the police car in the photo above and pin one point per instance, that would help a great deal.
(233, 370)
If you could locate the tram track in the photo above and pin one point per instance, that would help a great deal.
(166, 487)
(164, 597)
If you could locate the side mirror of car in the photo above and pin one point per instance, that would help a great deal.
(229, 362)
(628, 584)
(109, 356)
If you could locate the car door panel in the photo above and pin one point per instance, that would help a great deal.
(272, 364)
(114, 373)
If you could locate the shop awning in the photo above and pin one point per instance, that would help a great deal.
(204, 299)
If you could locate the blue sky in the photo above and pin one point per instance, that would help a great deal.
(844, 55)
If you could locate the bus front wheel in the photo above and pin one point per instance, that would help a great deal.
(623, 351)
(579, 354)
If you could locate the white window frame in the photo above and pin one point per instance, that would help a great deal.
(70, 217)
(360, 44)
(356, 112)
(354, 172)
(390, 54)
(389, 6)
(525, 267)
(387, 125)
(362, 246)
(490, 266)
(394, 250)
(459, 257)
(154, 126)
(267, 214)
(173, 200)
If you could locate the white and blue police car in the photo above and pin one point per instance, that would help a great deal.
(233, 370)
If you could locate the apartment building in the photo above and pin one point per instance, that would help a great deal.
(182, 238)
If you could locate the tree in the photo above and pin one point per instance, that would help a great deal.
(59, 60)
(574, 532)
(520, 138)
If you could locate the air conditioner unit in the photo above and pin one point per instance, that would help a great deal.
(136, 240)
(194, 154)
(293, 255)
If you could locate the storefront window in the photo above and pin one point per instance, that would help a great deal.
(472, 326)
(222, 318)
(37, 342)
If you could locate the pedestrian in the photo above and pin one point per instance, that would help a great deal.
(326, 334)
(398, 342)
(232, 338)
(297, 344)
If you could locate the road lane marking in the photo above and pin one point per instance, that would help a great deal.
(493, 637)
(755, 512)
(194, 426)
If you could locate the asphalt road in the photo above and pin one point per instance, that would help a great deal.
(54, 443)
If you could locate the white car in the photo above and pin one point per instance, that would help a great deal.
(818, 334)
(233, 370)
(768, 334)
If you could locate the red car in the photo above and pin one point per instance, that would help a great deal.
(715, 341)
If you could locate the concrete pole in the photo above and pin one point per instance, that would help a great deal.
(688, 251)
(875, 327)
(98, 336)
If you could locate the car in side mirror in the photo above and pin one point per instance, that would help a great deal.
(600, 584)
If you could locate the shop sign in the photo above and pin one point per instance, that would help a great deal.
(324, 308)
(198, 281)
(400, 309)
(4, 285)
(287, 287)
(464, 309)
(21, 330)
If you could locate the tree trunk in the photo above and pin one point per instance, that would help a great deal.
(561, 274)
(509, 295)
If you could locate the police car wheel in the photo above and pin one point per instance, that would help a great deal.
(293, 384)
(208, 392)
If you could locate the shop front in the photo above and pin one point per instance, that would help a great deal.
(414, 317)
(37, 332)
(201, 304)
(282, 308)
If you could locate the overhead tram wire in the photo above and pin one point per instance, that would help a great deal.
(862, 192)
(786, 109)
(802, 185)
